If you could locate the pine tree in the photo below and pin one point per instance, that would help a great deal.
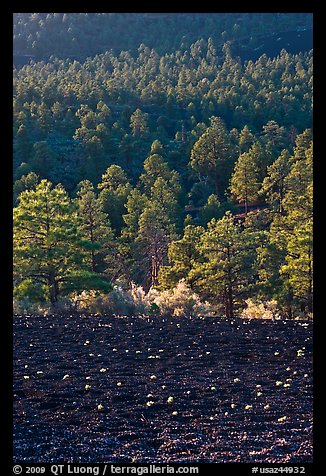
(225, 274)
(274, 136)
(244, 184)
(23, 145)
(43, 159)
(45, 239)
(163, 194)
(286, 262)
(154, 235)
(26, 182)
(115, 189)
(155, 167)
(49, 258)
(139, 123)
(246, 139)
(183, 254)
(298, 205)
(94, 226)
(212, 155)
(211, 209)
(273, 186)
(127, 245)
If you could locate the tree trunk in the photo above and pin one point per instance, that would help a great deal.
(154, 271)
(53, 285)
(230, 303)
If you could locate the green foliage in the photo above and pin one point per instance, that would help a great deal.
(244, 184)
(212, 155)
(273, 186)
(115, 189)
(155, 233)
(94, 227)
(182, 256)
(26, 182)
(226, 272)
(138, 123)
(35, 292)
(47, 250)
(72, 34)
(45, 233)
(138, 128)
(211, 209)
(85, 280)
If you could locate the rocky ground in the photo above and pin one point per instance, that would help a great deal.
(103, 389)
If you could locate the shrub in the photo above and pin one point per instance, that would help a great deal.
(26, 306)
(118, 301)
(260, 310)
(180, 301)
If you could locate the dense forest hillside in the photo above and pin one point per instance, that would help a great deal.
(151, 162)
(78, 35)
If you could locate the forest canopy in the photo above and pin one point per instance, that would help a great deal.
(148, 153)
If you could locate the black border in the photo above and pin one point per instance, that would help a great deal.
(6, 345)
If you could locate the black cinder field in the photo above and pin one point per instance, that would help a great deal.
(103, 389)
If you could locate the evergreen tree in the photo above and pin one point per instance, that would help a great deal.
(94, 226)
(183, 254)
(211, 209)
(23, 145)
(43, 159)
(139, 123)
(48, 258)
(212, 155)
(113, 196)
(163, 194)
(244, 184)
(246, 139)
(154, 168)
(273, 186)
(226, 274)
(26, 182)
(286, 262)
(298, 206)
(45, 231)
(274, 136)
(154, 235)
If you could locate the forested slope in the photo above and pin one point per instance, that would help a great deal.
(78, 35)
(175, 160)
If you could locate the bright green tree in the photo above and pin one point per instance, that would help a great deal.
(94, 226)
(212, 155)
(246, 139)
(298, 206)
(244, 183)
(48, 256)
(285, 263)
(26, 182)
(211, 209)
(113, 196)
(183, 254)
(163, 194)
(44, 224)
(139, 123)
(273, 186)
(226, 274)
(155, 167)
